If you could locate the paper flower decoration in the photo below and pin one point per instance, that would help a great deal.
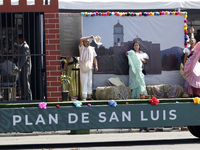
(77, 103)
(154, 101)
(186, 32)
(58, 106)
(112, 103)
(89, 104)
(185, 21)
(42, 105)
(91, 14)
(196, 100)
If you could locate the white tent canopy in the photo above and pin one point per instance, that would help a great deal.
(128, 4)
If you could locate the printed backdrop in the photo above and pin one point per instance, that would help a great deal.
(161, 37)
(166, 30)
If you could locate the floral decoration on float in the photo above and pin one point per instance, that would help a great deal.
(154, 101)
(196, 100)
(77, 103)
(112, 103)
(42, 105)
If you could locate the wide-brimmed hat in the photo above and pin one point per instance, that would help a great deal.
(97, 40)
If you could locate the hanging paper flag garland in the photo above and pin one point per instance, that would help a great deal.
(139, 14)
(108, 13)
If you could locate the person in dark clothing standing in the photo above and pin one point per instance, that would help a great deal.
(24, 65)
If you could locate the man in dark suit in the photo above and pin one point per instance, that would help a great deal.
(24, 65)
(7, 66)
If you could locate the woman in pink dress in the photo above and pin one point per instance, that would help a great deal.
(192, 72)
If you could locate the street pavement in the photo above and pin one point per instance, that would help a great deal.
(102, 136)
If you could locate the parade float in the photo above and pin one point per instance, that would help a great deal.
(153, 111)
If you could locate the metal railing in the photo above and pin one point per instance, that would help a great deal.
(22, 56)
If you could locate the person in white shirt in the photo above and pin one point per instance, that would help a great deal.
(87, 58)
(189, 51)
(191, 44)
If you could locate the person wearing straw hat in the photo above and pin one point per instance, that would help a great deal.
(86, 61)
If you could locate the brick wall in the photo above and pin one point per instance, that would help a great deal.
(53, 69)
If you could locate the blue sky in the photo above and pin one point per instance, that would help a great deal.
(166, 30)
